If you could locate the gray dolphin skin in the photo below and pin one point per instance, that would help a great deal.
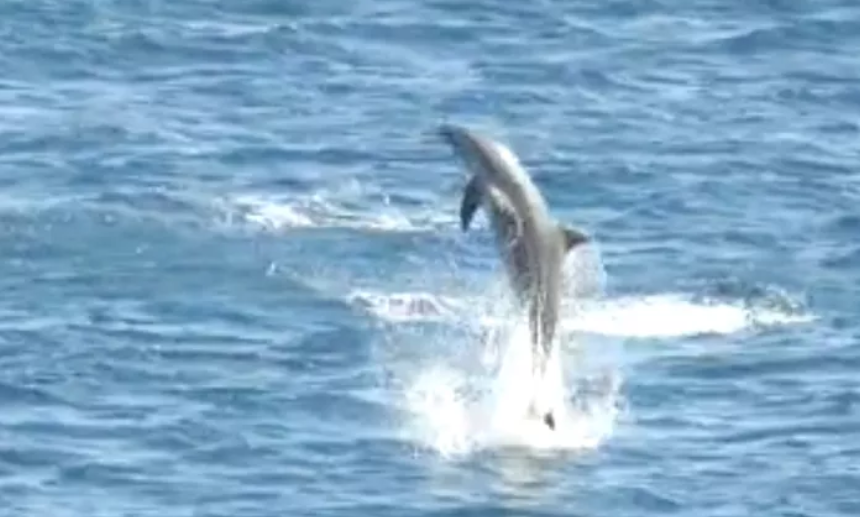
(532, 244)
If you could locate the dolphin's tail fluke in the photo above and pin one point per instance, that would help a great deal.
(548, 416)
(549, 420)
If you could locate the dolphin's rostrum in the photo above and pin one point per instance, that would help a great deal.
(532, 244)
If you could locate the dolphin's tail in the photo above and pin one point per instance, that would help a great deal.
(541, 367)
(537, 407)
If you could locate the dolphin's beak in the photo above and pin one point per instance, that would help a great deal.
(454, 135)
(460, 139)
(448, 134)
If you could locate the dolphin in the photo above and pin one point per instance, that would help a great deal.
(532, 244)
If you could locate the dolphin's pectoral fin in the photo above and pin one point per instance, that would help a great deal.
(572, 237)
(470, 203)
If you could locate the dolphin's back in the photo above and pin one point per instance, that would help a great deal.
(498, 166)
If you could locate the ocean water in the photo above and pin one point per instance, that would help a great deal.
(234, 282)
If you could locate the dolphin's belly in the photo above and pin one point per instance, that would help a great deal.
(525, 244)
(523, 267)
(521, 271)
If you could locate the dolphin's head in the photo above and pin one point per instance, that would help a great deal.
(482, 155)
(458, 136)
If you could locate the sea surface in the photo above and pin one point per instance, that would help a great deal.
(234, 281)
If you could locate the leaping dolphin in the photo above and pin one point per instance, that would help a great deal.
(532, 244)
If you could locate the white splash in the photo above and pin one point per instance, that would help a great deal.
(499, 411)
(440, 415)
(516, 392)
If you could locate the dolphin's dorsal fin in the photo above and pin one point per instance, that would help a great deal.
(571, 237)
(469, 204)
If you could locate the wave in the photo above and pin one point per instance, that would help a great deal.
(404, 307)
(669, 315)
(326, 210)
(352, 206)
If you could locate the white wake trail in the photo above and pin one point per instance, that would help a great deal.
(667, 315)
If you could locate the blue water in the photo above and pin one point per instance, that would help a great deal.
(234, 282)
